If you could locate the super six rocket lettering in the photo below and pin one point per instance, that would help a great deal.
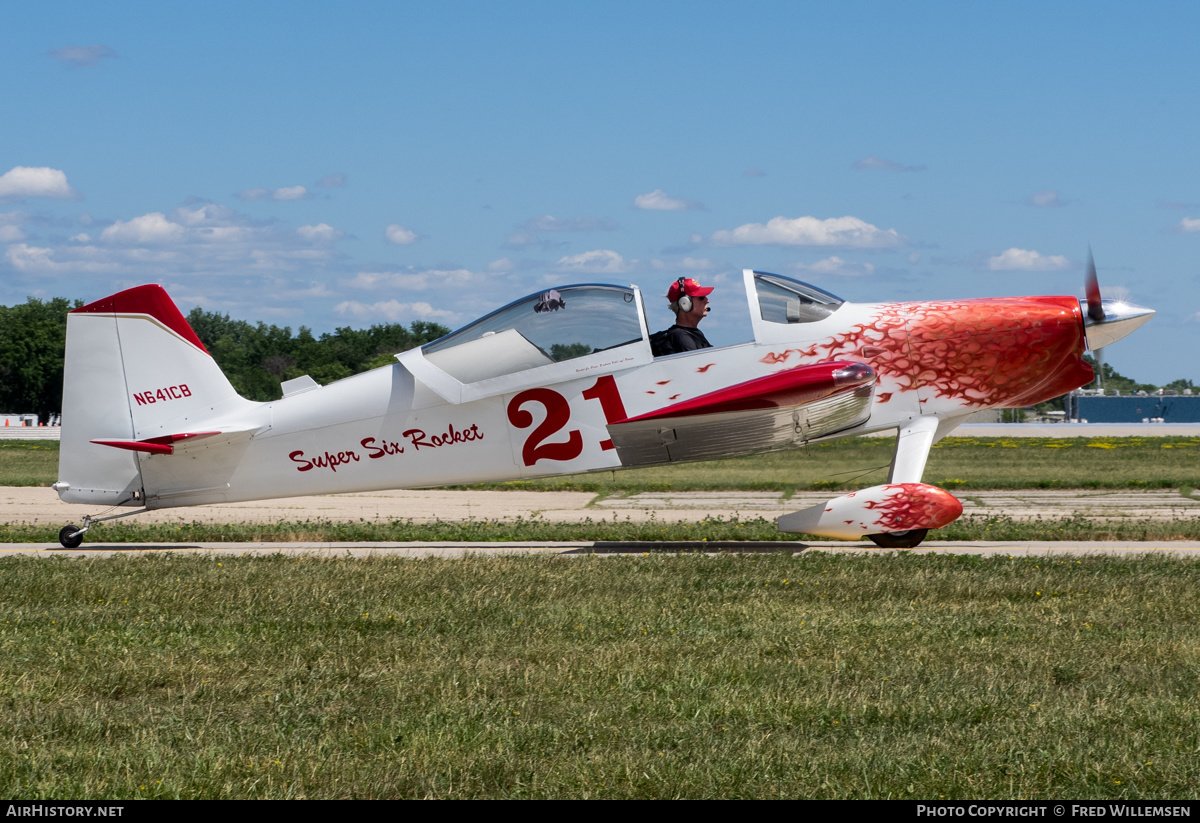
(376, 448)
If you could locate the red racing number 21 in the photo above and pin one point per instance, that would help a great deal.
(558, 414)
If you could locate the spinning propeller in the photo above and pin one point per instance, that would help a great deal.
(1107, 321)
(1095, 306)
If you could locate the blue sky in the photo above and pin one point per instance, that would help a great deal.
(341, 164)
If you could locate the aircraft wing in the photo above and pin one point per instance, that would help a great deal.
(777, 411)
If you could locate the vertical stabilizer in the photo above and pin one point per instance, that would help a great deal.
(134, 370)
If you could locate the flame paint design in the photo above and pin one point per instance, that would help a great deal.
(982, 352)
(915, 506)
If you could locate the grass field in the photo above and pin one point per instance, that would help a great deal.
(28, 462)
(954, 463)
(769, 676)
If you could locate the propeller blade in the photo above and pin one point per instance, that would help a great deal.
(1092, 290)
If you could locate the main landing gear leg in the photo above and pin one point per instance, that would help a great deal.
(71, 537)
(913, 442)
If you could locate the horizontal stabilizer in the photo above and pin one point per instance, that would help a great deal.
(153, 445)
(777, 411)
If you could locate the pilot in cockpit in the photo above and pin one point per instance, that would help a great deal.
(689, 301)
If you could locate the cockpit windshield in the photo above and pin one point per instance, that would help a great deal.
(543, 328)
(784, 300)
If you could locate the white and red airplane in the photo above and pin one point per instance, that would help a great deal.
(561, 382)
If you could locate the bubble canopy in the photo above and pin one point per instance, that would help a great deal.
(562, 323)
(784, 300)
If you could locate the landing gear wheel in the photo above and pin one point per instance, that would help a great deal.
(68, 537)
(899, 540)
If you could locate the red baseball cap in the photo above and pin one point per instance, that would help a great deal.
(690, 287)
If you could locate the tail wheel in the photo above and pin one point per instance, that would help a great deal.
(899, 540)
(70, 537)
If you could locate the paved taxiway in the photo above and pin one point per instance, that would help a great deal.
(1126, 549)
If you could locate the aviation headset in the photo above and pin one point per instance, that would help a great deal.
(684, 301)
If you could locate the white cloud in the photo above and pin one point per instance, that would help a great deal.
(412, 280)
(332, 181)
(1046, 199)
(1188, 225)
(836, 266)
(1015, 259)
(208, 238)
(149, 228)
(39, 260)
(549, 223)
(659, 200)
(320, 233)
(286, 289)
(849, 232)
(285, 193)
(399, 235)
(600, 261)
(82, 56)
(686, 264)
(35, 181)
(878, 163)
(523, 238)
(209, 214)
(10, 227)
(503, 265)
(529, 232)
(393, 311)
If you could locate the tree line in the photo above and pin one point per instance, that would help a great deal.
(256, 357)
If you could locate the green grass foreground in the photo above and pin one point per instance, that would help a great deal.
(769, 676)
(28, 462)
(954, 463)
(712, 529)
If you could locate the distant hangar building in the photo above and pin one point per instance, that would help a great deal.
(1140, 408)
